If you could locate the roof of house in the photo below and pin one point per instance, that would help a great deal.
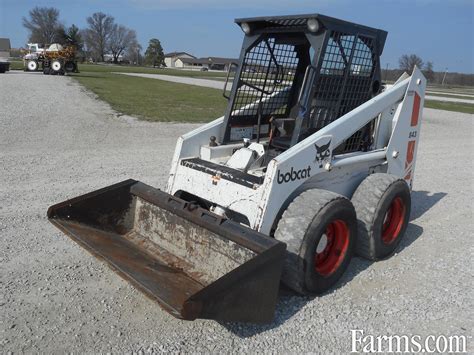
(219, 60)
(195, 60)
(5, 44)
(177, 54)
(208, 60)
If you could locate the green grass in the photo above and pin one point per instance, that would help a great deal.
(154, 100)
(16, 65)
(96, 68)
(157, 100)
(450, 106)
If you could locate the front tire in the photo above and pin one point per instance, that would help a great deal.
(32, 65)
(320, 229)
(56, 66)
(383, 204)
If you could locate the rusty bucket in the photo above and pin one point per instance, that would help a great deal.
(194, 263)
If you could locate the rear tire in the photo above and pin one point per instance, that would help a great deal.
(383, 204)
(69, 67)
(320, 229)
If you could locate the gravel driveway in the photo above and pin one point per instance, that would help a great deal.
(57, 141)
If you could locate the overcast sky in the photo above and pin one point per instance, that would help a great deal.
(441, 31)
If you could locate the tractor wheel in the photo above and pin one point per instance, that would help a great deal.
(69, 67)
(382, 203)
(320, 229)
(32, 65)
(56, 66)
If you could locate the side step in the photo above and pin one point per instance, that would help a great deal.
(194, 263)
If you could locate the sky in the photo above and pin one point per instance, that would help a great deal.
(440, 31)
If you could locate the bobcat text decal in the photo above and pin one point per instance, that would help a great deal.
(293, 175)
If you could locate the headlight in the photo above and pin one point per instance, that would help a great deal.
(246, 28)
(313, 25)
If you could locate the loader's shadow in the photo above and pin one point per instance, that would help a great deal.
(289, 303)
(423, 201)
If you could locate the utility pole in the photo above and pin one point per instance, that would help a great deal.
(444, 77)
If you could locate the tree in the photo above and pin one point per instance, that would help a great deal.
(120, 40)
(98, 33)
(43, 24)
(133, 53)
(429, 72)
(408, 62)
(72, 37)
(154, 53)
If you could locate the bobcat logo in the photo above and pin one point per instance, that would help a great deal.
(322, 153)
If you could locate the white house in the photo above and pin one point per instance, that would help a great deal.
(172, 60)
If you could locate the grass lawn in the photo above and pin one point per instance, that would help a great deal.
(154, 100)
(96, 68)
(16, 65)
(157, 100)
(450, 106)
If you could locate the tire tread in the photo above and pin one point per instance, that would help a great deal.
(292, 228)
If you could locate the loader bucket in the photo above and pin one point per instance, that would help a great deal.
(194, 263)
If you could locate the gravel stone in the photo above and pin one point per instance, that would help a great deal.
(57, 141)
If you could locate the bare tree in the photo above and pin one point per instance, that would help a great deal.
(121, 39)
(43, 24)
(101, 27)
(408, 62)
(133, 53)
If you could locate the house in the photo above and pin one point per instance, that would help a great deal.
(173, 57)
(109, 58)
(5, 47)
(192, 63)
(218, 63)
(209, 63)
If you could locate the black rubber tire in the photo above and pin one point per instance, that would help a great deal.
(301, 227)
(372, 200)
(69, 67)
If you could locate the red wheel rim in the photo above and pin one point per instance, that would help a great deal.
(332, 248)
(393, 221)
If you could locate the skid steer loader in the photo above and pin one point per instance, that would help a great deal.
(313, 161)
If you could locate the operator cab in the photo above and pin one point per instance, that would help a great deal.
(295, 76)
